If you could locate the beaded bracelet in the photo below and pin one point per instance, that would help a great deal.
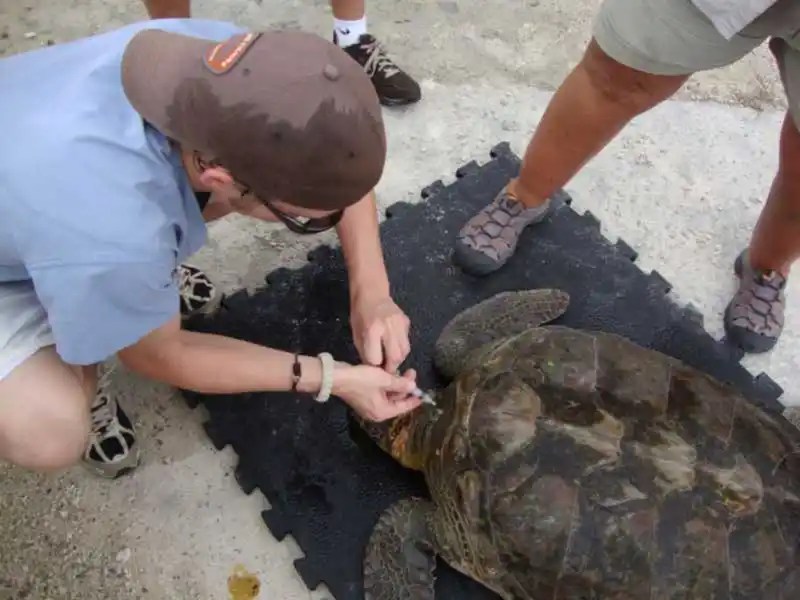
(327, 377)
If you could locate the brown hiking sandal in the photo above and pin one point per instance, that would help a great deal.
(490, 237)
(394, 86)
(754, 317)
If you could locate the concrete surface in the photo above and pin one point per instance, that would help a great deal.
(683, 185)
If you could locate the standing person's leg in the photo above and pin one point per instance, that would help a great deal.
(168, 9)
(775, 243)
(754, 318)
(394, 86)
(641, 54)
(349, 20)
(53, 415)
(590, 108)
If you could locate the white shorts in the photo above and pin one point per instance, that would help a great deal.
(23, 325)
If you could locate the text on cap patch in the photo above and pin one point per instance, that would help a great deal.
(222, 57)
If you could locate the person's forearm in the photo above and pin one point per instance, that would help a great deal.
(361, 246)
(215, 364)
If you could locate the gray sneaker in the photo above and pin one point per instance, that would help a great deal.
(754, 316)
(489, 238)
(198, 294)
(112, 450)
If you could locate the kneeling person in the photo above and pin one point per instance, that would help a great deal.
(115, 148)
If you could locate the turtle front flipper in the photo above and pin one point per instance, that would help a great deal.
(400, 559)
(503, 315)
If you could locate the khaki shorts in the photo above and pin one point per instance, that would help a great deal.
(672, 37)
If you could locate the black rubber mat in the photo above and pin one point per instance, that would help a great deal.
(327, 484)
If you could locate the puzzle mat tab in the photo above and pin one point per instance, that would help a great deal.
(325, 482)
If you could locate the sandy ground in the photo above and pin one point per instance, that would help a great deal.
(683, 185)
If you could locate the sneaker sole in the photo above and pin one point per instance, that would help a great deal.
(398, 101)
(745, 340)
(474, 262)
(118, 469)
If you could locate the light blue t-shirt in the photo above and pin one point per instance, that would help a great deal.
(95, 207)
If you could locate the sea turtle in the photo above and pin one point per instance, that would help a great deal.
(572, 464)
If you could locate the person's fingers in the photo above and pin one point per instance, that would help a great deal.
(405, 348)
(403, 405)
(372, 345)
(358, 342)
(405, 343)
(401, 345)
(410, 374)
(387, 342)
(394, 355)
(400, 385)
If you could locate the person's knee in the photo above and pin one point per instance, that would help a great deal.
(620, 85)
(44, 414)
(52, 440)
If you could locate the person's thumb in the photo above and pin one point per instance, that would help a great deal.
(410, 374)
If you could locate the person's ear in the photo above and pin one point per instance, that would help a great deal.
(214, 178)
(209, 174)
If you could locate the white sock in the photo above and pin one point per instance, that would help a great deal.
(348, 32)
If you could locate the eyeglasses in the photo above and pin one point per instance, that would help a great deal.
(303, 225)
(306, 225)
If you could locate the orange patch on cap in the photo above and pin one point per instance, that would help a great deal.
(222, 57)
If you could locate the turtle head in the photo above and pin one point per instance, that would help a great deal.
(405, 437)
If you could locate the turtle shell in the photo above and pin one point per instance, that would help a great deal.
(581, 465)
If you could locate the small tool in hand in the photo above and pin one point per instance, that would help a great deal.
(426, 398)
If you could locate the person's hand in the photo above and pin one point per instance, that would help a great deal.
(373, 393)
(380, 332)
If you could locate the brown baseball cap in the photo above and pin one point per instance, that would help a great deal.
(289, 114)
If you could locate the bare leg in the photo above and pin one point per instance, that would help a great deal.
(44, 413)
(349, 10)
(754, 318)
(349, 22)
(595, 102)
(168, 9)
(775, 244)
(53, 416)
